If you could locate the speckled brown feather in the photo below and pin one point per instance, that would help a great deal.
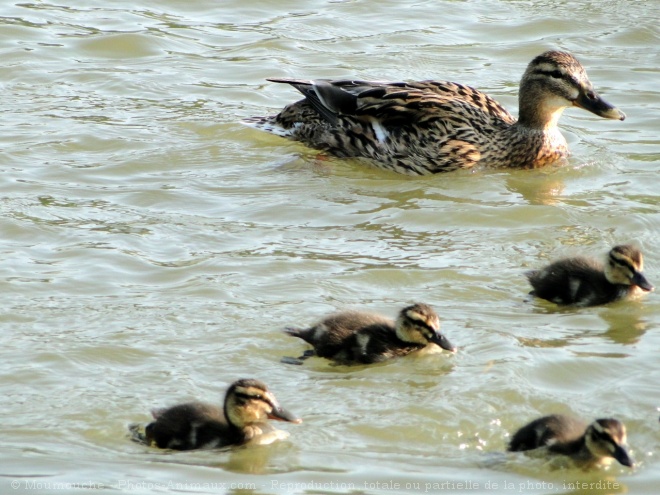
(420, 128)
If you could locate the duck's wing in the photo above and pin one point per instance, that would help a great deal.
(450, 91)
(332, 98)
(397, 103)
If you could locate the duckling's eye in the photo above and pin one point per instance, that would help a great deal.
(422, 325)
(605, 437)
(557, 74)
(598, 435)
(428, 331)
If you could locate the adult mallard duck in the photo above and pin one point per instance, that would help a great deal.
(587, 282)
(421, 128)
(242, 419)
(359, 337)
(587, 445)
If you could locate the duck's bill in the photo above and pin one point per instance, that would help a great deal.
(281, 414)
(640, 281)
(592, 102)
(443, 342)
(622, 456)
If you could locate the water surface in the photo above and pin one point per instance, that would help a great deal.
(153, 248)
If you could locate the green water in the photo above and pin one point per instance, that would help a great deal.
(153, 248)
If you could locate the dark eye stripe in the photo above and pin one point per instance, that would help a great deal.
(426, 326)
(604, 436)
(418, 322)
(622, 262)
(557, 74)
(245, 396)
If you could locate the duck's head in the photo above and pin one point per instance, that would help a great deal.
(624, 266)
(419, 324)
(553, 81)
(249, 401)
(606, 438)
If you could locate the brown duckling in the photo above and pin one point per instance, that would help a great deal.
(357, 337)
(243, 418)
(587, 282)
(588, 445)
(421, 128)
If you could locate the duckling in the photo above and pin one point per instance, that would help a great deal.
(586, 282)
(243, 418)
(422, 128)
(588, 445)
(357, 337)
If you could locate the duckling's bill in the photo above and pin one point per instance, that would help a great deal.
(640, 281)
(281, 414)
(443, 342)
(622, 456)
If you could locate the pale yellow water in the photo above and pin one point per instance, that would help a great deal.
(153, 248)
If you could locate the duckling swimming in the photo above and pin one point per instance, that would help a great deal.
(586, 282)
(421, 128)
(357, 337)
(243, 419)
(588, 445)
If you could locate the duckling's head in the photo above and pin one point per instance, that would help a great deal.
(419, 324)
(249, 401)
(553, 81)
(606, 438)
(624, 266)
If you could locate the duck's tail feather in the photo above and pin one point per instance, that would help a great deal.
(268, 124)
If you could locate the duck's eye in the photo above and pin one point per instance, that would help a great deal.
(557, 74)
